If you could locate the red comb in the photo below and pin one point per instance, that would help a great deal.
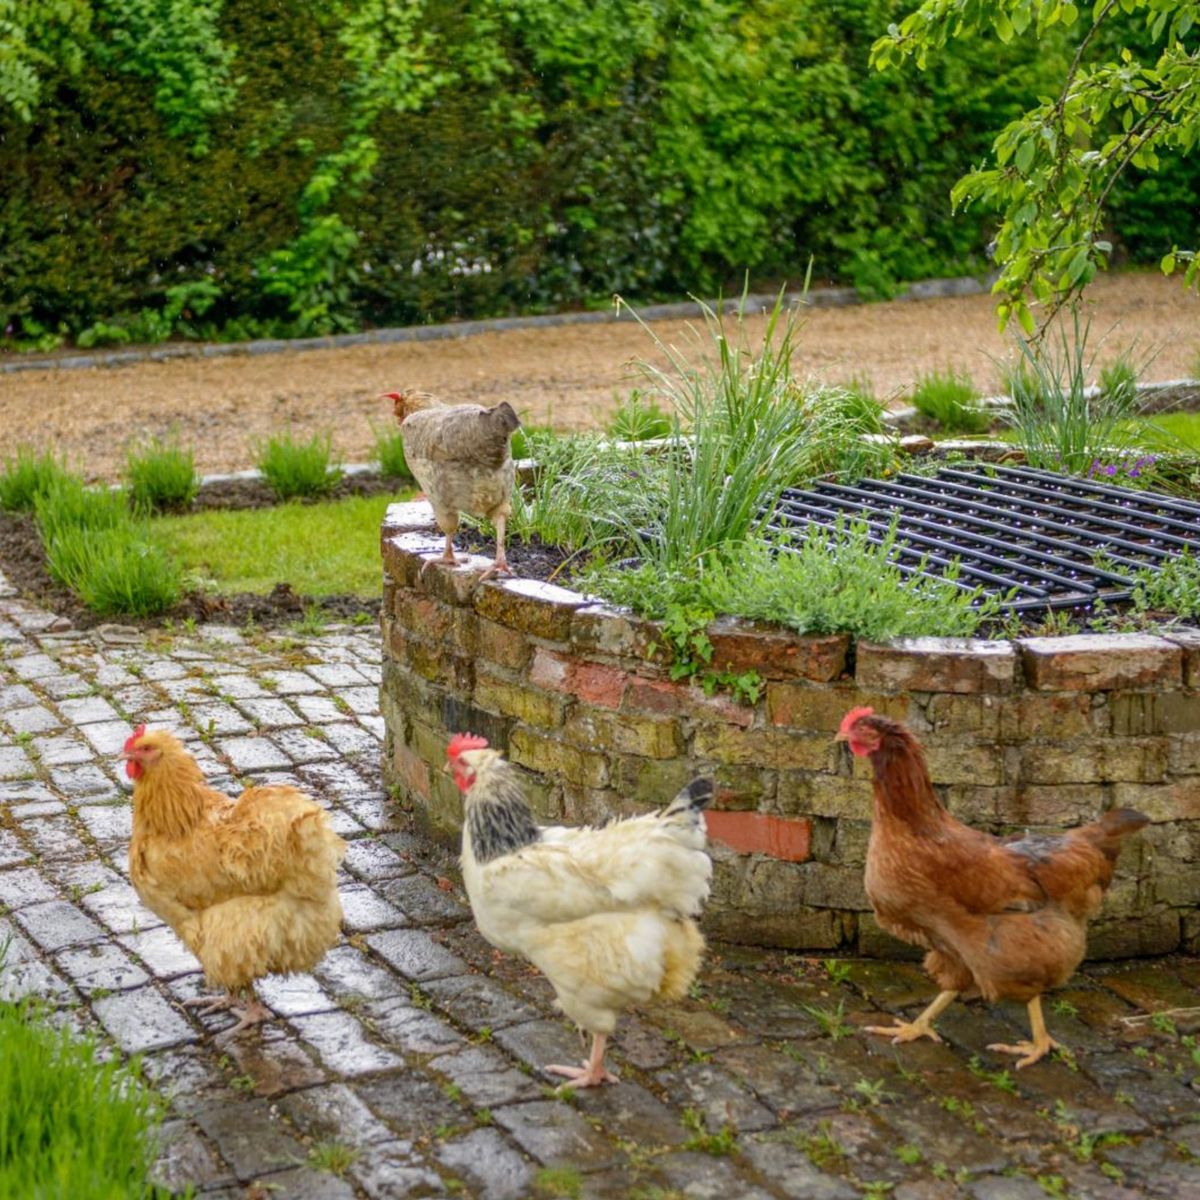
(464, 741)
(852, 717)
(133, 737)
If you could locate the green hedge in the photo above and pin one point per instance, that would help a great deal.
(289, 166)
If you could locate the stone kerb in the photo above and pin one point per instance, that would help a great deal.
(1039, 734)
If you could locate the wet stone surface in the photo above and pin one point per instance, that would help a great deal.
(409, 1062)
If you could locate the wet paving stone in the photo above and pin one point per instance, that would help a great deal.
(249, 1136)
(555, 1134)
(187, 1157)
(792, 1172)
(412, 1029)
(718, 1097)
(373, 862)
(343, 1046)
(295, 995)
(478, 1003)
(267, 715)
(423, 904)
(55, 925)
(81, 782)
(487, 1164)
(271, 1063)
(352, 977)
(365, 911)
(33, 718)
(142, 1020)
(486, 1076)
(101, 968)
(334, 1113)
(253, 754)
(415, 954)
(395, 1170)
(165, 956)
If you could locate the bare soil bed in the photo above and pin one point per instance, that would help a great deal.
(570, 376)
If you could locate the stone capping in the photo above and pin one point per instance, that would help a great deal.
(1043, 733)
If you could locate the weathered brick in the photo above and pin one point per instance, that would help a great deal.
(1188, 640)
(650, 781)
(740, 646)
(1177, 801)
(412, 516)
(503, 646)
(531, 705)
(964, 762)
(608, 630)
(773, 748)
(454, 586)
(1154, 712)
(965, 713)
(1152, 933)
(787, 838)
(677, 699)
(529, 605)
(557, 758)
(825, 885)
(803, 706)
(1125, 760)
(825, 795)
(421, 616)
(1101, 662)
(405, 554)
(624, 733)
(461, 716)
(1031, 714)
(594, 683)
(411, 771)
(935, 665)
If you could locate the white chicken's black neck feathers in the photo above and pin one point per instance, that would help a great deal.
(498, 818)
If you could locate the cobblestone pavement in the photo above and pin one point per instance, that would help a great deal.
(407, 1064)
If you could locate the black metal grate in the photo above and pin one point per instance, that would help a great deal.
(1032, 538)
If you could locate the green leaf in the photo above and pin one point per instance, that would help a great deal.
(1024, 156)
(1168, 263)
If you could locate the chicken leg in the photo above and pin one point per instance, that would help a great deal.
(252, 1013)
(592, 1073)
(909, 1031)
(1040, 1045)
(501, 563)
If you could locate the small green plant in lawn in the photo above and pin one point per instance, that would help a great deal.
(389, 453)
(298, 469)
(638, 420)
(70, 1124)
(26, 474)
(949, 398)
(161, 476)
(334, 1157)
(116, 571)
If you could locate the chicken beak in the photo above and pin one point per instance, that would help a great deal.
(841, 737)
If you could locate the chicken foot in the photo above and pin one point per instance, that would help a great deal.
(205, 1006)
(909, 1031)
(249, 1013)
(592, 1073)
(1038, 1047)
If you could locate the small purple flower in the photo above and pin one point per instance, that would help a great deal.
(1110, 469)
(1134, 473)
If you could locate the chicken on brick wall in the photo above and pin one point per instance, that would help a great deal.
(461, 455)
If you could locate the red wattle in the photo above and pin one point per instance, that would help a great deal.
(133, 769)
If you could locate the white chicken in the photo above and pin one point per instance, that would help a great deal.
(605, 913)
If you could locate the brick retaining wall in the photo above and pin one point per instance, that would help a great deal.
(1043, 733)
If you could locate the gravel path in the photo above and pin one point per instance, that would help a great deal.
(415, 1051)
(569, 376)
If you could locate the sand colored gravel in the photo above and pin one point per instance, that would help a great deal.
(567, 376)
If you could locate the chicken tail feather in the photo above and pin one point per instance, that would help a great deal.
(682, 952)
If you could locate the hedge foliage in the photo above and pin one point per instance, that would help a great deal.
(219, 169)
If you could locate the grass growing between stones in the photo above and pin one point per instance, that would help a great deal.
(320, 549)
(70, 1125)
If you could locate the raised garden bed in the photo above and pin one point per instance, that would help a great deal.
(1038, 733)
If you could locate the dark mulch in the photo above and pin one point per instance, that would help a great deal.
(534, 559)
(256, 493)
(23, 561)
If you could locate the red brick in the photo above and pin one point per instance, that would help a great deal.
(1102, 662)
(673, 699)
(413, 771)
(740, 646)
(594, 683)
(784, 838)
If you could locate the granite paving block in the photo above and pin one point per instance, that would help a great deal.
(253, 754)
(30, 718)
(415, 954)
(344, 1046)
(56, 924)
(142, 1020)
(491, 1168)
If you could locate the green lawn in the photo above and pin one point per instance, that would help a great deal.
(1185, 426)
(320, 549)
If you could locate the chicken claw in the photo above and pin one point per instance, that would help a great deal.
(253, 1014)
(496, 569)
(1032, 1051)
(592, 1073)
(207, 1005)
(905, 1031)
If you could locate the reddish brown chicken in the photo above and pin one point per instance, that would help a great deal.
(1006, 917)
(461, 456)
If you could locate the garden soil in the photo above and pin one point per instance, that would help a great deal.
(569, 377)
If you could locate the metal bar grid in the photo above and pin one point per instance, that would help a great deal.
(1033, 538)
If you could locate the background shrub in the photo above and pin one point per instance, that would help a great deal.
(161, 476)
(298, 470)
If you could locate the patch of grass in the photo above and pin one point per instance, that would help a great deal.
(334, 1157)
(65, 503)
(862, 406)
(320, 549)
(831, 1020)
(1173, 586)
(26, 474)
(389, 452)
(949, 398)
(717, 1144)
(161, 476)
(559, 1181)
(638, 420)
(116, 571)
(298, 469)
(70, 1124)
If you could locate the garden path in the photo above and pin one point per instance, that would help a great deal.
(410, 1058)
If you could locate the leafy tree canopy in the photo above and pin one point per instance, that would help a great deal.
(1055, 166)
